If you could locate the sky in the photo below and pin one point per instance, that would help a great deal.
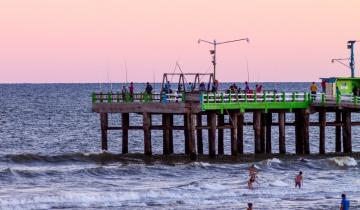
(70, 41)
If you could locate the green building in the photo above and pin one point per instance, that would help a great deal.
(344, 85)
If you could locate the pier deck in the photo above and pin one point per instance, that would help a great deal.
(192, 106)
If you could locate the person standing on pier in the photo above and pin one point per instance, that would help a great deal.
(247, 88)
(299, 180)
(313, 89)
(131, 90)
(124, 92)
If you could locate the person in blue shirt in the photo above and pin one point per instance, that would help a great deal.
(345, 204)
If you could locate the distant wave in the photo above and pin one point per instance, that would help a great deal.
(343, 161)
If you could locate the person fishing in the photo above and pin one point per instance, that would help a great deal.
(313, 90)
(299, 180)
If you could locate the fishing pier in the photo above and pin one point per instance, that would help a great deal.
(193, 105)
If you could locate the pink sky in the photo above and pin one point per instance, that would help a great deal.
(84, 40)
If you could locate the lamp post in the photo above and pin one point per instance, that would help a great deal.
(213, 52)
(351, 66)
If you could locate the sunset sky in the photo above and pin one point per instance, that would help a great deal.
(44, 41)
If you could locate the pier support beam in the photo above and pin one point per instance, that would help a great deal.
(166, 133)
(240, 133)
(211, 120)
(104, 125)
(268, 132)
(322, 122)
(192, 129)
(220, 118)
(262, 132)
(199, 135)
(346, 117)
(171, 140)
(282, 146)
(186, 133)
(306, 123)
(338, 131)
(147, 133)
(125, 132)
(257, 130)
(233, 121)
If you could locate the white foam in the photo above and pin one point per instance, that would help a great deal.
(271, 161)
(344, 161)
(278, 183)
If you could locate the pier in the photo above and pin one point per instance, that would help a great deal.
(195, 106)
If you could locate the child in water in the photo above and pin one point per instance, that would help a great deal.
(299, 180)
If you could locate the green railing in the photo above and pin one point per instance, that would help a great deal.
(270, 100)
(118, 97)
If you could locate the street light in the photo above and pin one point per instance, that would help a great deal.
(351, 66)
(213, 52)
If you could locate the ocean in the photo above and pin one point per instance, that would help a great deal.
(50, 158)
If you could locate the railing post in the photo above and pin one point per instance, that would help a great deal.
(214, 97)
(338, 98)
(293, 97)
(355, 100)
(323, 99)
(264, 97)
(274, 97)
(207, 97)
(255, 97)
(246, 97)
(222, 98)
(101, 97)
(237, 97)
(93, 96)
(109, 97)
(283, 96)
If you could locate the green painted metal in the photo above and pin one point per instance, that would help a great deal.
(242, 106)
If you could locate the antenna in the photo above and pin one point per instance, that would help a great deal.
(213, 52)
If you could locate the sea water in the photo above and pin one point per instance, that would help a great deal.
(50, 158)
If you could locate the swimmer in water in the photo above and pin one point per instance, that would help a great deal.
(299, 180)
(251, 182)
(249, 206)
(252, 170)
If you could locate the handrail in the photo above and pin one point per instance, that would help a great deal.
(277, 97)
(111, 97)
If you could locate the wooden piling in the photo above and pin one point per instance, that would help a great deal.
(104, 125)
(240, 133)
(257, 128)
(186, 133)
(347, 145)
(192, 135)
(211, 120)
(125, 132)
(268, 132)
(262, 132)
(166, 133)
(171, 140)
(322, 122)
(147, 133)
(199, 135)
(282, 120)
(233, 121)
(305, 127)
(338, 131)
(220, 118)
